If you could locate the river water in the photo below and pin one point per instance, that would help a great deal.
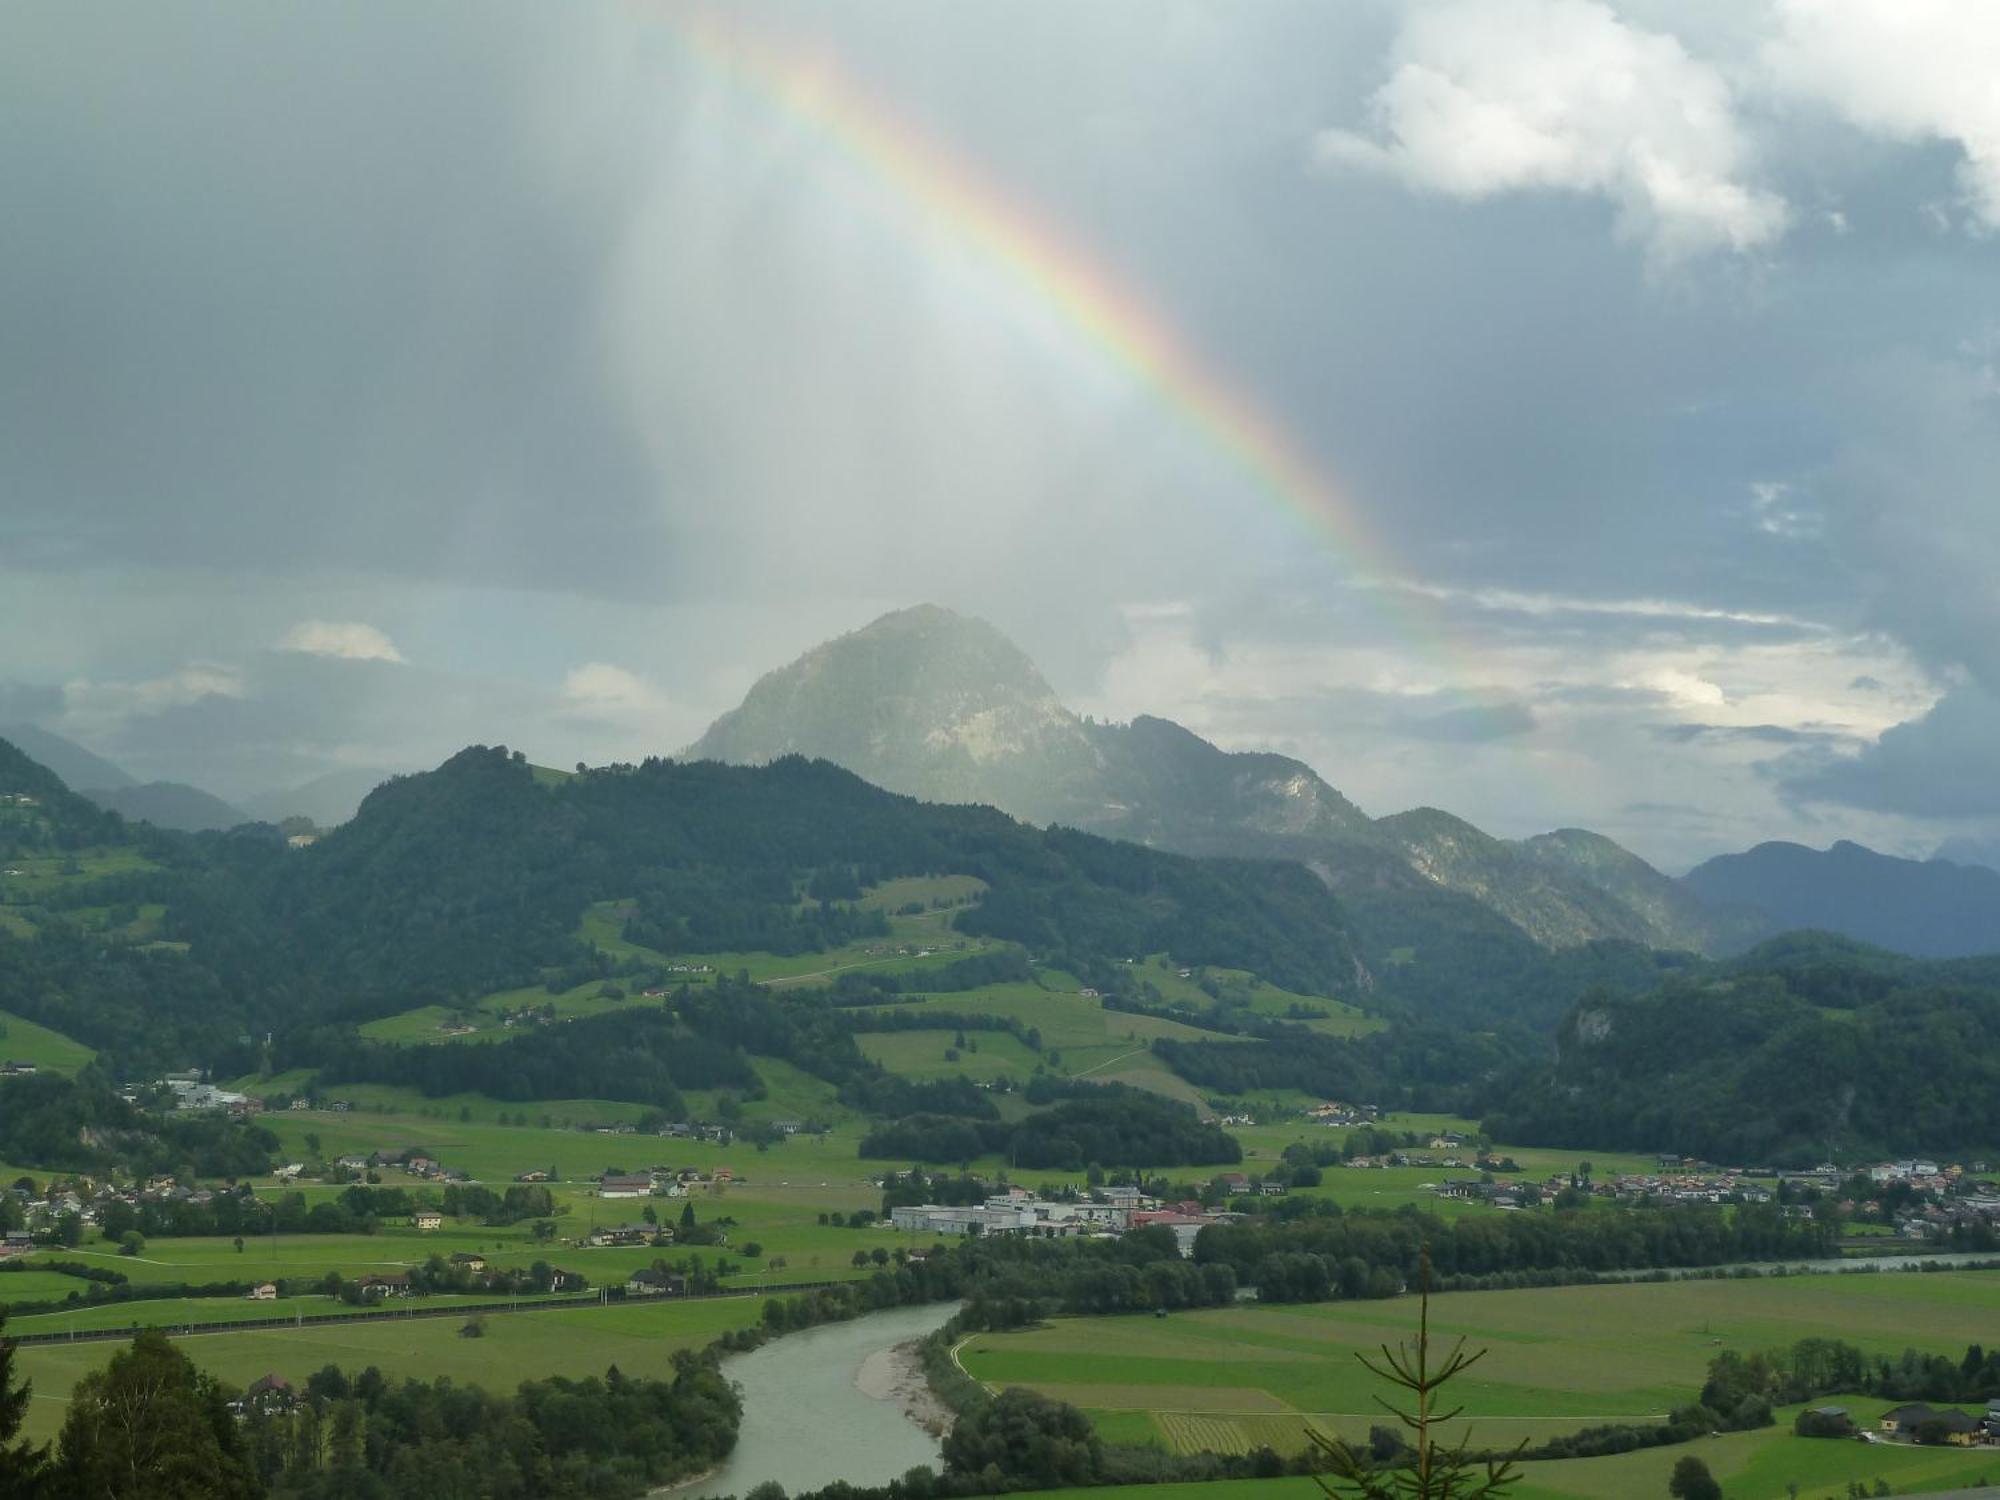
(1901, 1264)
(806, 1419)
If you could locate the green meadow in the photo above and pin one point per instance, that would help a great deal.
(50, 1051)
(639, 1337)
(1750, 1466)
(1558, 1359)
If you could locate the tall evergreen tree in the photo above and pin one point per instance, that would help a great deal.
(22, 1465)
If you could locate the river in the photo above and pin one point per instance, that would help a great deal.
(1888, 1264)
(807, 1419)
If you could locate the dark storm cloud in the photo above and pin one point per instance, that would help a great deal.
(308, 290)
(1942, 765)
(1749, 734)
(380, 307)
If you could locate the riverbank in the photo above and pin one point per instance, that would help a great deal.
(840, 1401)
(897, 1374)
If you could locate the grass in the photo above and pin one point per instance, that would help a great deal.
(50, 1051)
(175, 1312)
(916, 944)
(920, 1055)
(950, 890)
(1750, 1465)
(38, 1286)
(1559, 1359)
(1264, 998)
(640, 1338)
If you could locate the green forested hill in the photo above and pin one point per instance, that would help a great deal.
(475, 878)
(1809, 1048)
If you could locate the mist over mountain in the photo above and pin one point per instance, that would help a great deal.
(929, 703)
(1968, 849)
(76, 766)
(169, 804)
(1930, 908)
(328, 800)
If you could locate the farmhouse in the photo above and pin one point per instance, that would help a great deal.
(269, 1393)
(655, 1284)
(623, 1185)
(624, 1234)
(264, 1291)
(1917, 1419)
(427, 1219)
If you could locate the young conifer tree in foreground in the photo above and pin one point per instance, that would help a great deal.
(1428, 1470)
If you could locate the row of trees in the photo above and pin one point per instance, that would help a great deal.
(1486, 1245)
(151, 1426)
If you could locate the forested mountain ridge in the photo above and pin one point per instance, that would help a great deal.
(929, 703)
(1810, 1048)
(37, 811)
(1932, 908)
(482, 857)
(475, 877)
(75, 765)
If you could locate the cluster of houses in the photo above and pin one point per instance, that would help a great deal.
(414, 1161)
(379, 1286)
(681, 971)
(13, 1068)
(1106, 1214)
(1334, 1112)
(1916, 1422)
(192, 1096)
(662, 1182)
(87, 1198)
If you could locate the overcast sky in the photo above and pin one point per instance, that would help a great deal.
(376, 379)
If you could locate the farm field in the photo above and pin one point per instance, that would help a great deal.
(915, 943)
(1080, 1037)
(175, 1312)
(1265, 999)
(50, 1051)
(1750, 1466)
(29, 877)
(1560, 1359)
(640, 1338)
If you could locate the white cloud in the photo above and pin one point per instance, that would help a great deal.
(350, 640)
(623, 710)
(1685, 689)
(1908, 70)
(1543, 604)
(1501, 96)
(598, 687)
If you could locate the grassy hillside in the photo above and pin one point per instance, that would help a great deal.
(50, 1051)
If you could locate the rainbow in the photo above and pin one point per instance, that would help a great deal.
(817, 90)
